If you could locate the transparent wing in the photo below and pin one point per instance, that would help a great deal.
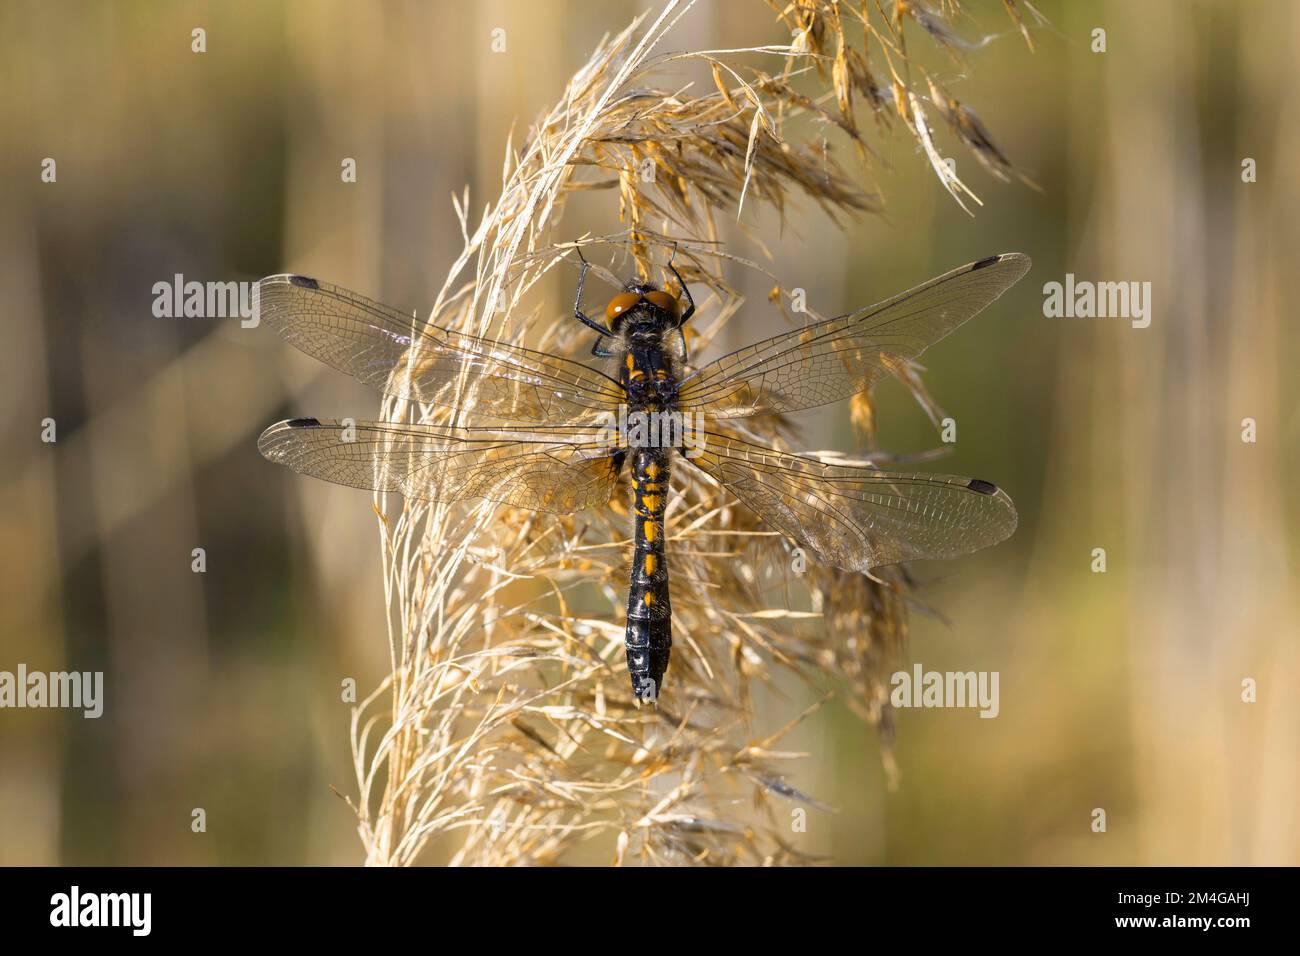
(401, 356)
(558, 470)
(858, 518)
(830, 360)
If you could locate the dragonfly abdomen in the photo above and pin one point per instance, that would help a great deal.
(649, 635)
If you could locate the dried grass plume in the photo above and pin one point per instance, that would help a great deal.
(506, 732)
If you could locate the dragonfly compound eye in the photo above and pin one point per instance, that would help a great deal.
(663, 300)
(620, 304)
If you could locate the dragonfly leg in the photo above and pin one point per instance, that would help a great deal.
(690, 305)
(690, 302)
(599, 351)
(577, 302)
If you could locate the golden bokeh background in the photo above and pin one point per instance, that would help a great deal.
(1119, 690)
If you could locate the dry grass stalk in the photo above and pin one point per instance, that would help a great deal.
(506, 732)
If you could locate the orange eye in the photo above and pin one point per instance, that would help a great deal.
(664, 300)
(618, 305)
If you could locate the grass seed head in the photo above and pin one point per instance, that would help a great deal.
(507, 732)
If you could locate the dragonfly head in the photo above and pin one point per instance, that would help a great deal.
(642, 307)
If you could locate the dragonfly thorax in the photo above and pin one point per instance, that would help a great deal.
(648, 371)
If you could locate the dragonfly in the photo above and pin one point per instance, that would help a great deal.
(533, 430)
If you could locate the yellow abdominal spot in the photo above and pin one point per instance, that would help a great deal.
(650, 530)
(652, 470)
(650, 562)
(650, 502)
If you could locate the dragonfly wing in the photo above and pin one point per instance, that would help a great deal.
(859, 518)
(399, 355)
(559, 470)
(840, 357)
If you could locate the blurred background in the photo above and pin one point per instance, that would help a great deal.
(1119, 691)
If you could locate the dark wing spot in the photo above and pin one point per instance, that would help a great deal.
(979, 486)
(307, 282)
(985, 262)
(303, 423)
